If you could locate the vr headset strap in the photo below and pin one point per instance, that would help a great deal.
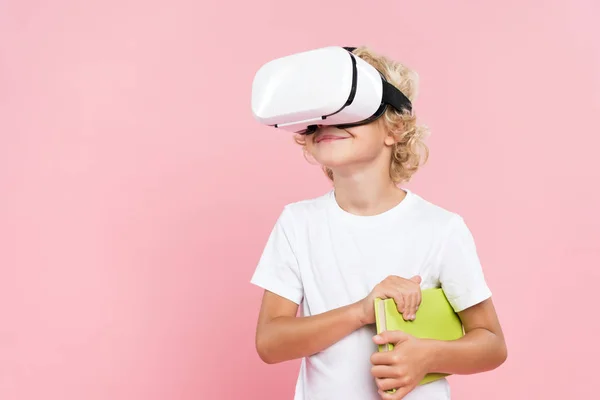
(395, 98)
(391, 94)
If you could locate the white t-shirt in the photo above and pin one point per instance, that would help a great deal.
(322, 257)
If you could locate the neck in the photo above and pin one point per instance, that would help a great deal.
(367, 192)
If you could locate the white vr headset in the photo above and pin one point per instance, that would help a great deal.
(327, 86)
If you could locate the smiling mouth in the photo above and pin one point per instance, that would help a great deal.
(330, 138)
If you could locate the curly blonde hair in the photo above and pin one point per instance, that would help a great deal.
(410, 151)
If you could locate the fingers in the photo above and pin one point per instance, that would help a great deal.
(389, 358)
(412, 301)
(391, 377)
(419, 299)
(400, 302)
(384, 358)
(405, 292)
(383, 371)
(409, 308)
(384, 384)
(393, 290)
(394, 336)
(416, 300)
(397, 395)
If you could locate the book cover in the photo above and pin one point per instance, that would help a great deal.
(435, 319)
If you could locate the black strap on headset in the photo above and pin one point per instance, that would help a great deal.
(391, 94)
(395, 98)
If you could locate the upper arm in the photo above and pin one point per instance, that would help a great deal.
(460, 271)
(274, 306)
(463, 282)
(278, 270)
(278, 274)
(481, 316)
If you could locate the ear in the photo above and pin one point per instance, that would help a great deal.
(390, 139)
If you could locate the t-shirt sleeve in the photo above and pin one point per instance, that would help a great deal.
(277, 270)
(461, 273)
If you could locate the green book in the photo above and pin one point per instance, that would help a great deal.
(435, 319)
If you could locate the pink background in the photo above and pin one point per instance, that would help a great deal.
(137, 192)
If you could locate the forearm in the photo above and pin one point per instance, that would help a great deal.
(287, 338)
(479, 350)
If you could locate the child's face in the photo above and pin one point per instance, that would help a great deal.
(350, 148)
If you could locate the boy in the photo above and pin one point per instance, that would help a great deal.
(368, 238)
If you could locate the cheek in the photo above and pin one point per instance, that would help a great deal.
(310, 146)
(359, 148)
(367, 145)
(336, 154)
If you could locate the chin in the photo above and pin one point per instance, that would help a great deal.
(335, 163)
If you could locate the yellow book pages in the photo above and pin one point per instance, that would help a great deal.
(435, 319)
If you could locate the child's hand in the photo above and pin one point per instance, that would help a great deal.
(401, 368)
(405, 292)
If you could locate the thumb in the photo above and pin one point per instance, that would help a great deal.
(393, 337)
(416, 279)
